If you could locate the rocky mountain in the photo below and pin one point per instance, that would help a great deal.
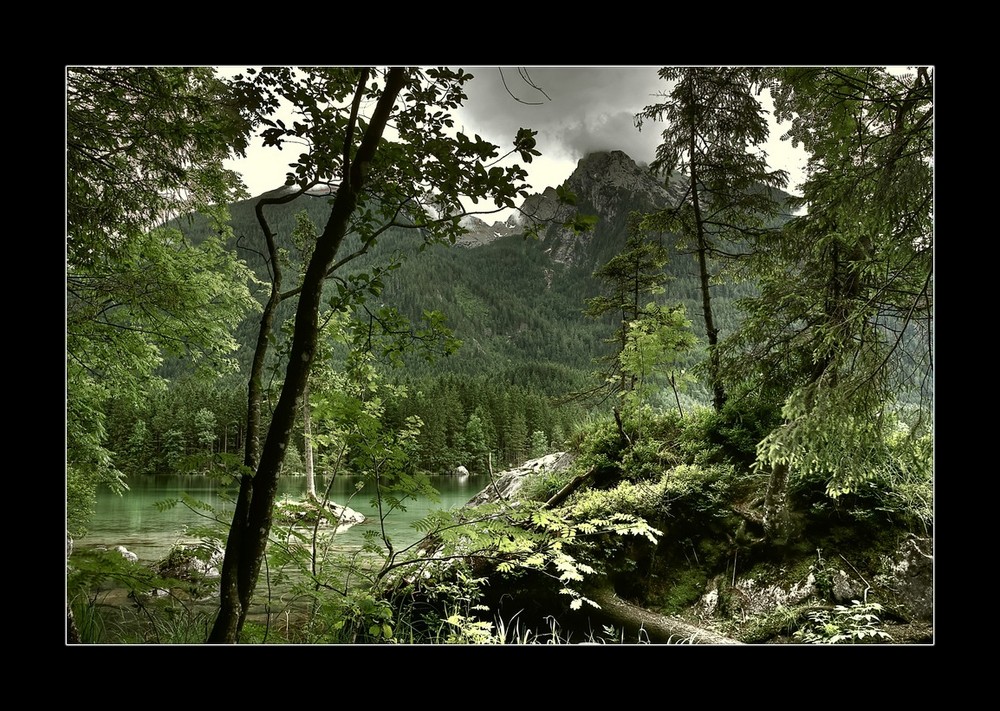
(518, 301)
(607, 184)
(515, 302)
(478, 233)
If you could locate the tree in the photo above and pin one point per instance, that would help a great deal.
(143, 145)
(656, 343)
(715, 126)
(384, 178)
(841, 331)
(649, 335)
(629, 278)
(477, 442)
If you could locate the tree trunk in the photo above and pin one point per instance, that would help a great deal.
(231, 610)
(711, 332)
(253, 517)
(307, 430)
(573, 485)
(658, 629)
(776, 518)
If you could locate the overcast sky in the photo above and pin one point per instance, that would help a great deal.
(582, 109)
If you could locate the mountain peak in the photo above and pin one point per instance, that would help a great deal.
(599, 172)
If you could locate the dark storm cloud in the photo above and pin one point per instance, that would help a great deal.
(576, 110)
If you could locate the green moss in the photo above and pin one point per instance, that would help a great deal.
(780, 622)
(713, 552)
(681, 589)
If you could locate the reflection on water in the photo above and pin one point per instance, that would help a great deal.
(135, 521)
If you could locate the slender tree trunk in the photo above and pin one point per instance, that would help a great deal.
(776, 518)
(677, 397)
(253, 517)
(307, 429)
(231, 612)
(711, 332)
(718, 393)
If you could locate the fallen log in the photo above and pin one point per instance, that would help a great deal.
(660, 629)
(564, 492)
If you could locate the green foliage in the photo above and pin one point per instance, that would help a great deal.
(357, 618)
(701, 490)
(538, 446)
(851, 452)
(544, 483)
(642, 499)
(858, 623)
(730, 435)
(144, 144)
(292, 463)
(349, 420)
(600, 445)
(646, 460)
(715, 127)
(627, 280)
(161, 609)
(780, 621)
(655, 344)
(841, 328)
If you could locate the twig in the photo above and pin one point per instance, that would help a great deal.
(867, 586)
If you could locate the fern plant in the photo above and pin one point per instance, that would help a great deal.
(858, 623)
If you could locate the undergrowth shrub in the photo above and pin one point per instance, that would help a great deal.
(643, 499)
(698, 490)
(858, 623)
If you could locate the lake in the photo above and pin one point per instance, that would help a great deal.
(135, 521)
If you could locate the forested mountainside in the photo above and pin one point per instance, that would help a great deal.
(515, 302)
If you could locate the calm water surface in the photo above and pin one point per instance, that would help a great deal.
(135, 521)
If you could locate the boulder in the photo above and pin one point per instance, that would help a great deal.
(127, 554)
(190, 563)
(908, 575)
(306, 512)
(508, 482)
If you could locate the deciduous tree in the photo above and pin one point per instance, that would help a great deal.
(385, 140)
(143, 145)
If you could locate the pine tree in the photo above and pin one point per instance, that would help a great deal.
(715, 128)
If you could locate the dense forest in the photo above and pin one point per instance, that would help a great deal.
(734, 373)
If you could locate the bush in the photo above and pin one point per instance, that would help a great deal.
(643, 499)
(857, 624)
(730, 436)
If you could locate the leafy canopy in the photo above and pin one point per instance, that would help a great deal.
(144, 145)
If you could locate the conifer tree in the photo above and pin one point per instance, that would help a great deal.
(715, 129)
(841, 331)
(629, 279)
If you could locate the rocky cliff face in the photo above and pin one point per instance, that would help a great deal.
(603, 179)
(609, 184)
(478, 233)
